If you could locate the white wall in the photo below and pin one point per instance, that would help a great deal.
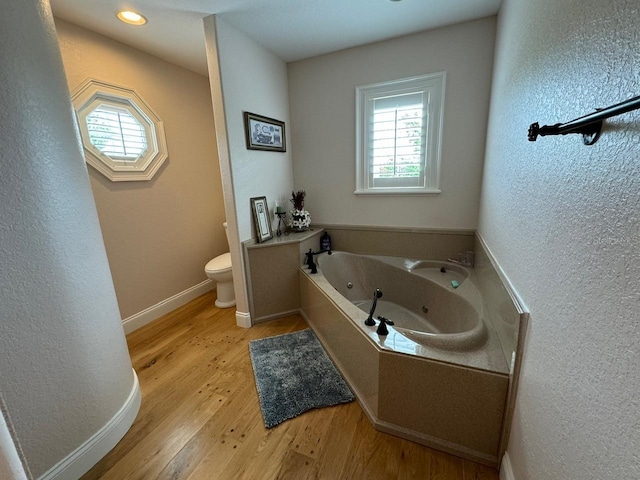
(322, 99)
(64, 366)
(563, 221)
(244, 76)
(253, 80)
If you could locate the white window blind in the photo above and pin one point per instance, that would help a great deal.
(123, 138)
(397, 139)
(398, 128)
(116, 133)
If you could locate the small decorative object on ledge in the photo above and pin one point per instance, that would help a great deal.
(589, 125)
(281, 214)
(300, 218)
(325, 242)
(261, 218)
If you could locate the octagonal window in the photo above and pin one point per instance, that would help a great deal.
(122, 137)
(116, 133)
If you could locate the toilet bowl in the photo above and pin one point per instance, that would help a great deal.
(219, 270)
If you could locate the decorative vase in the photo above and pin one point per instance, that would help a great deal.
(300, 220)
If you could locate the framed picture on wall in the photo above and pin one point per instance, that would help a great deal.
(264, 133)
(261, 218)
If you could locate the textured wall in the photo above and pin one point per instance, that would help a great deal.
(253, 80)
(64, 366)
(563, 221)
(244, 76)
(322, 99)
(159, 234)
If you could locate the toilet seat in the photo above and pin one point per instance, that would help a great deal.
(221, 263)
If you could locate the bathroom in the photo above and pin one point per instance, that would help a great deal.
(560, 217)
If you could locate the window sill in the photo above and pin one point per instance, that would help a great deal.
(399, 192)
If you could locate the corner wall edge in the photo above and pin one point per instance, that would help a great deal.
(506, 471)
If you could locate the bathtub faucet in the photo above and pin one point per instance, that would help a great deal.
(382, 326)
(309, 261)
(376, 295)
(464, 258)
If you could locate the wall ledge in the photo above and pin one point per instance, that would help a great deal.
(515, 297)
(80, 461)
(386, 228)
(154, 312)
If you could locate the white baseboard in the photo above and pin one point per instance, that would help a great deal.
(80, 461)
(506, 472)
(154, 312)
(243, 319)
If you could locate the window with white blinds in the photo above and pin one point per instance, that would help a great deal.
(398, 136)
(116, 133)
(123, 138)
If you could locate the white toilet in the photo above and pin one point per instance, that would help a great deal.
(219, 270)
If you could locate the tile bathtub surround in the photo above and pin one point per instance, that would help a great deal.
(479, 402)
(455, 404)
(274, 286)
(455, 409)
(272, 273)
(432, 244)
(349, 349)
(272, 266)
(503, 312)
(509, 319)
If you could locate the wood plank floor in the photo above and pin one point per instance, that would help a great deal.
(200, 417)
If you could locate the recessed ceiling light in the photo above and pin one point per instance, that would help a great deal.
(131, 17)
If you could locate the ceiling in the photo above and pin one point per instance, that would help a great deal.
(292, 29)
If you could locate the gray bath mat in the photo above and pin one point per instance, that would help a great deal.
(294, 374)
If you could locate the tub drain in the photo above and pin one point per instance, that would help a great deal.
(425, 309)
(349, 285)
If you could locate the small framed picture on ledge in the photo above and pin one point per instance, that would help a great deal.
(264, 133)
(261, 218)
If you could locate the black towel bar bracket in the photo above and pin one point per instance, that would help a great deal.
(590, 126)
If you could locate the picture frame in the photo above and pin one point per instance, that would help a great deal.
(264, 133)
(261, 218)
